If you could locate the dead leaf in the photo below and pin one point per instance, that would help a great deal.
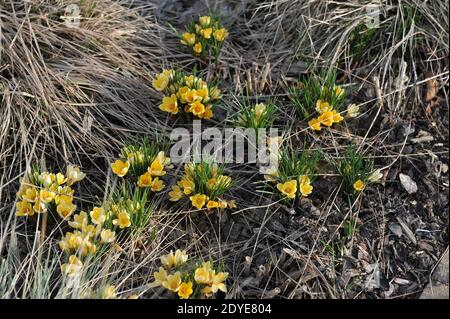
(408, 231)
(432, 89)
(431, 97)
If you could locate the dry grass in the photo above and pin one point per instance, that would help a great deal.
(73, 95)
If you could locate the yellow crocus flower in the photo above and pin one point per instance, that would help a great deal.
(180, 257)
(359, 185)
(169, 104)
(160, 277)
(156, 168)
(161, 82)
(198, 200)
(60, 179)
(326, 118)
(188, 39)
(212, 204)
(220, 34)
(315, 124)
(337, 117)
(74, 175)
(181, 94)
(120, 168)
(24, 209)
(107, 236)
(79, 220)
(224, 181)
(123, 220)
(157, 185)
(46, 196)
(259, 110)
(168, 260)
(65, 209)
(305, 186)
(323, 106)
(204, 21)
(145, 180)
(73, 266)
(173, 282)
(185, 290)
(174, 259)
(206, 33)
(98, 215)
(208, 113)
(175, 194)
(218, 282)
(191, 80)
(203, 274)
(30, 195)
(338, 91)
(203, 94)
(191, 96)
(39, 207)
(214, 93)
(197, 108)
(375, 177)
(353, 110)
(288, 188)
(46, 179)
(198, 48)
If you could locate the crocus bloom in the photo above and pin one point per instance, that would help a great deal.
(260, 108)
(107, 236)
(173, 282)
(197, 108)
(65, 209)
(79, 220)
(326, 118)
(359, 185)
(161, 82)
(24, 209)
(203, 274)
(169, 104)
(185, 290)
(353, 110)
(314, 124)
(145, 180)
(157, 185)
(98, 216)
(188, 38)
(220, 34)
(123, 220)
(337, 117)
(198, 200)
(206, 33)
(120, 168)
(73, 266)
(205, 21)
(322, 106)
(175, 194)
(198, 48)
(288, 188)
(156, 168)
(74, 175)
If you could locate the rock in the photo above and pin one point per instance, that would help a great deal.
(408, 184)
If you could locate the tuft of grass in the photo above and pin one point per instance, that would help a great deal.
(256, 116)
(312, 88)
(352, 167)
